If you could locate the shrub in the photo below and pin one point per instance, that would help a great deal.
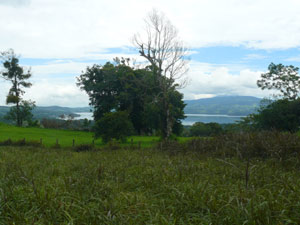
(282, 115)
(21, 142)
(266, 144)
(6, 142)
(205, 129)
(114, 125)
(83, 148)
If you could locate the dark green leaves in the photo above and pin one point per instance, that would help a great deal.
(283, 78)
(17, 75)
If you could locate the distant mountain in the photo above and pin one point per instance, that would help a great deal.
(227, 105)
(55, 111)
(40, 112)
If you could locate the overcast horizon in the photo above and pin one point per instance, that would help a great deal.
(231, 42)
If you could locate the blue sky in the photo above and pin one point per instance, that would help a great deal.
(239, 56)
(256, 59)
(231, 42)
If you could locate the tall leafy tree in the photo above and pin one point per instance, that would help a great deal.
(18, 77)
(282, 115)
(120, 87)
(23, 112)
(282, 78)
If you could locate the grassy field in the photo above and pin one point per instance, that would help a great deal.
(247, 178)
(48, 186)
(65, 137)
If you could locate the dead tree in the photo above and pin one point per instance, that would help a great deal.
(167, 55)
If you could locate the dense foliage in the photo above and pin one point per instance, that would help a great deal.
(205, 129)
(282, 78)
(114, 125)
(18, 77)
(119, 87)
(22, 113)
(281, 115)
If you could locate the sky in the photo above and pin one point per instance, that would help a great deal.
(231, 42)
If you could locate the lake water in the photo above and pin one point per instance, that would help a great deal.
(189, 120)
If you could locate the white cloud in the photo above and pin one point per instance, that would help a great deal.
(63, 92)
(14, 2)
(77, 29)
(254, 56)
(69, 29)
(293, 59)
(209, 80)
(57, 93)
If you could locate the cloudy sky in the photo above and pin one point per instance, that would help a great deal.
(232, 42)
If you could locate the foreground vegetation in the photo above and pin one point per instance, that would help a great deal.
(142, 187)
(233, 179)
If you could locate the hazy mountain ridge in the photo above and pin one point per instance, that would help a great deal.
(227, 105)
(40, 112)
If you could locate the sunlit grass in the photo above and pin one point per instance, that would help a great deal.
(65, 137)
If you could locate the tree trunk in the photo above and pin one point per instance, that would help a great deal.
(167, 120)
(18, 102)
(18, 115)
(169, 123)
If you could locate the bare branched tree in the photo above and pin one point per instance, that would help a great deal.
(163, 49)
(167, 55)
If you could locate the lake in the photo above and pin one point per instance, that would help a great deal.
(189, 120)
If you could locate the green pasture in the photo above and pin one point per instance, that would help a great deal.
(65, 137)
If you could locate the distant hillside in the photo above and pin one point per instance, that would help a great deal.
(228, 105)
(40, 112)
(55, 111)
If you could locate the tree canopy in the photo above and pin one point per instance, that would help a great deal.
(18, 76)
(282, 78)
(120, 87)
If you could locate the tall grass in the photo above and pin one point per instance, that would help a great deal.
(47, 186)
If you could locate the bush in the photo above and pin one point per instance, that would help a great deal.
(21, 142)
(83, 148)
(114, 125)
(205, 129)
(281, 115)
(266, 144)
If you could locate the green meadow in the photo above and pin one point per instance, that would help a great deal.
(229, 179)
(65, 137)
